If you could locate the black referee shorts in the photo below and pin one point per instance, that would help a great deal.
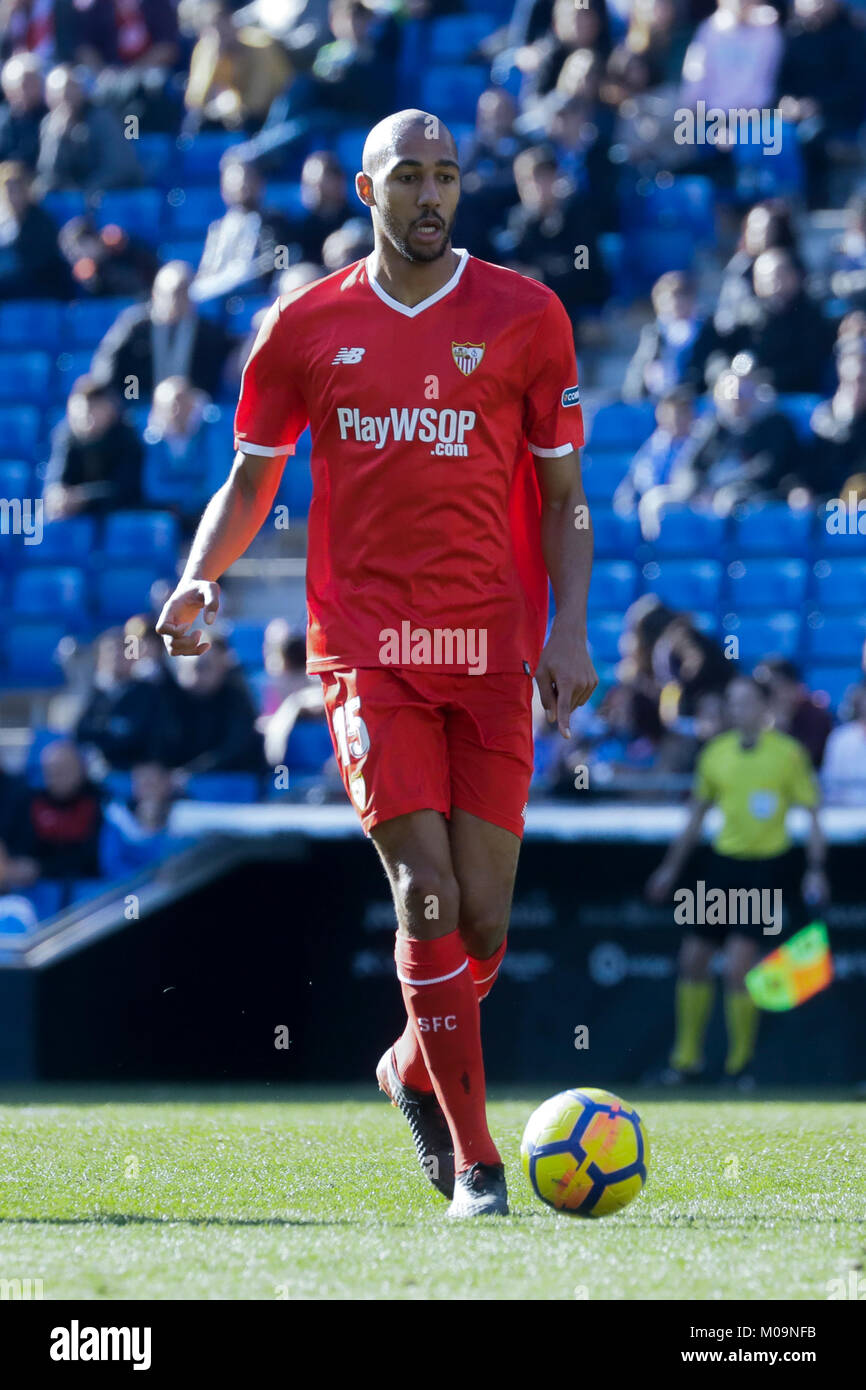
(782, 872)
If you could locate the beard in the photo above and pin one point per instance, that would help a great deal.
(399, 237)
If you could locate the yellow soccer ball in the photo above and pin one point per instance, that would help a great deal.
(585, 1152)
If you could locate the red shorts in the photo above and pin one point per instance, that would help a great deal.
(410, 740)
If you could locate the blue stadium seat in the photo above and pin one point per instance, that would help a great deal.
(688, 202)
(192, 213)
(764, 634)
(706, 622)
(835, 637)
(30, 649)
(348, 147)
(140, 211)
(603, 473)
(31, 323)
(246, 640)
(687, 532)
(118, 785)
(651, 252)
(309, 746)
(82, 889)
(605, 630)
(16, 478)
(88, 320)
(839, 542)
(142, 537)
(685, 584)
(614, 584)
(453, 37)
(242, 309)
(452, 91)
(63, 204)
(19, 430)
(286, 198)
(69, 542)
(45, 593)
(619, 426)
(162, 483)
(199, 157)
(616, 537)
(771, 528)
(841, 583)
(798, 409)
(23, 911)
(68, 367)
(296, 487)
(233, 787)
(761, 175)
(24, 376)
(158, 158)
(832, 681)
(123, 590)
(187, 249)
(775, 583)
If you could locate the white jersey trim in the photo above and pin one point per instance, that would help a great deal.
(559, 452)
(267, 450)
(410, 311)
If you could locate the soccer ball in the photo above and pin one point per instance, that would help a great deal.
(585, 1152)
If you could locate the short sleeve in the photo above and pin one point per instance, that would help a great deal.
(552, 417)
(803, 783)
(271, 411)
(703, 787)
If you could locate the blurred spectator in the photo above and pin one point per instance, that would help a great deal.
(643, 132)
(746, 448)
(665, 457)
(839, 430)
(487, 170)
(285, 662)
(136, 833)
(784, 330)
(177, 457)
(61, 822)
(306, 703)
(355, 73)
(582, 149)
(81, 145)
(301, 273)
(165, 337)
(572, 28)
(216, 729)
(133, 701)
(107, 261)
(794, 708)
(679, 752)
(326, 205)
(120, 34)
(543, 230)
(240, 251)
(28, 26)
(847, 264)
(31, 266)
(348, 244)
(645, 621)
(658, 37)
(95, 462)
(21, 116)
(687, 664)
(843, 775)
(673, 349)
(234, 73)
(766, 227)
(16, 871)
(820, 85)
(734, 57)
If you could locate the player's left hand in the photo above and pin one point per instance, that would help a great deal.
(566, 678)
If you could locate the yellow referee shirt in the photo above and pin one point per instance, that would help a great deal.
(753, 788)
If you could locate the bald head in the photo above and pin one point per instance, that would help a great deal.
(388, 139)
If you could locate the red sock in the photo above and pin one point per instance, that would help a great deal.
(411, 1067)
(442, 1004)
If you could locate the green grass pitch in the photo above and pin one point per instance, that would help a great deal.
(271, 1193)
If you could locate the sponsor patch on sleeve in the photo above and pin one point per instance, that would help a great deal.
(571, 395)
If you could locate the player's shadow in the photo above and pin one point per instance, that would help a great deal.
(122, 1219)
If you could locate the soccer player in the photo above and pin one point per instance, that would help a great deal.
(753, 774)
(441, 393)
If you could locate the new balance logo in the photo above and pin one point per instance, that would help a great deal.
(348, 355)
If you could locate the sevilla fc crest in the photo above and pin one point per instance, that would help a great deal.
(467, 355)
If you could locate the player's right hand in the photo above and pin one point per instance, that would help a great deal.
(181, 611)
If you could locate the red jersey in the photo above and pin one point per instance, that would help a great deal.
(424, 543)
